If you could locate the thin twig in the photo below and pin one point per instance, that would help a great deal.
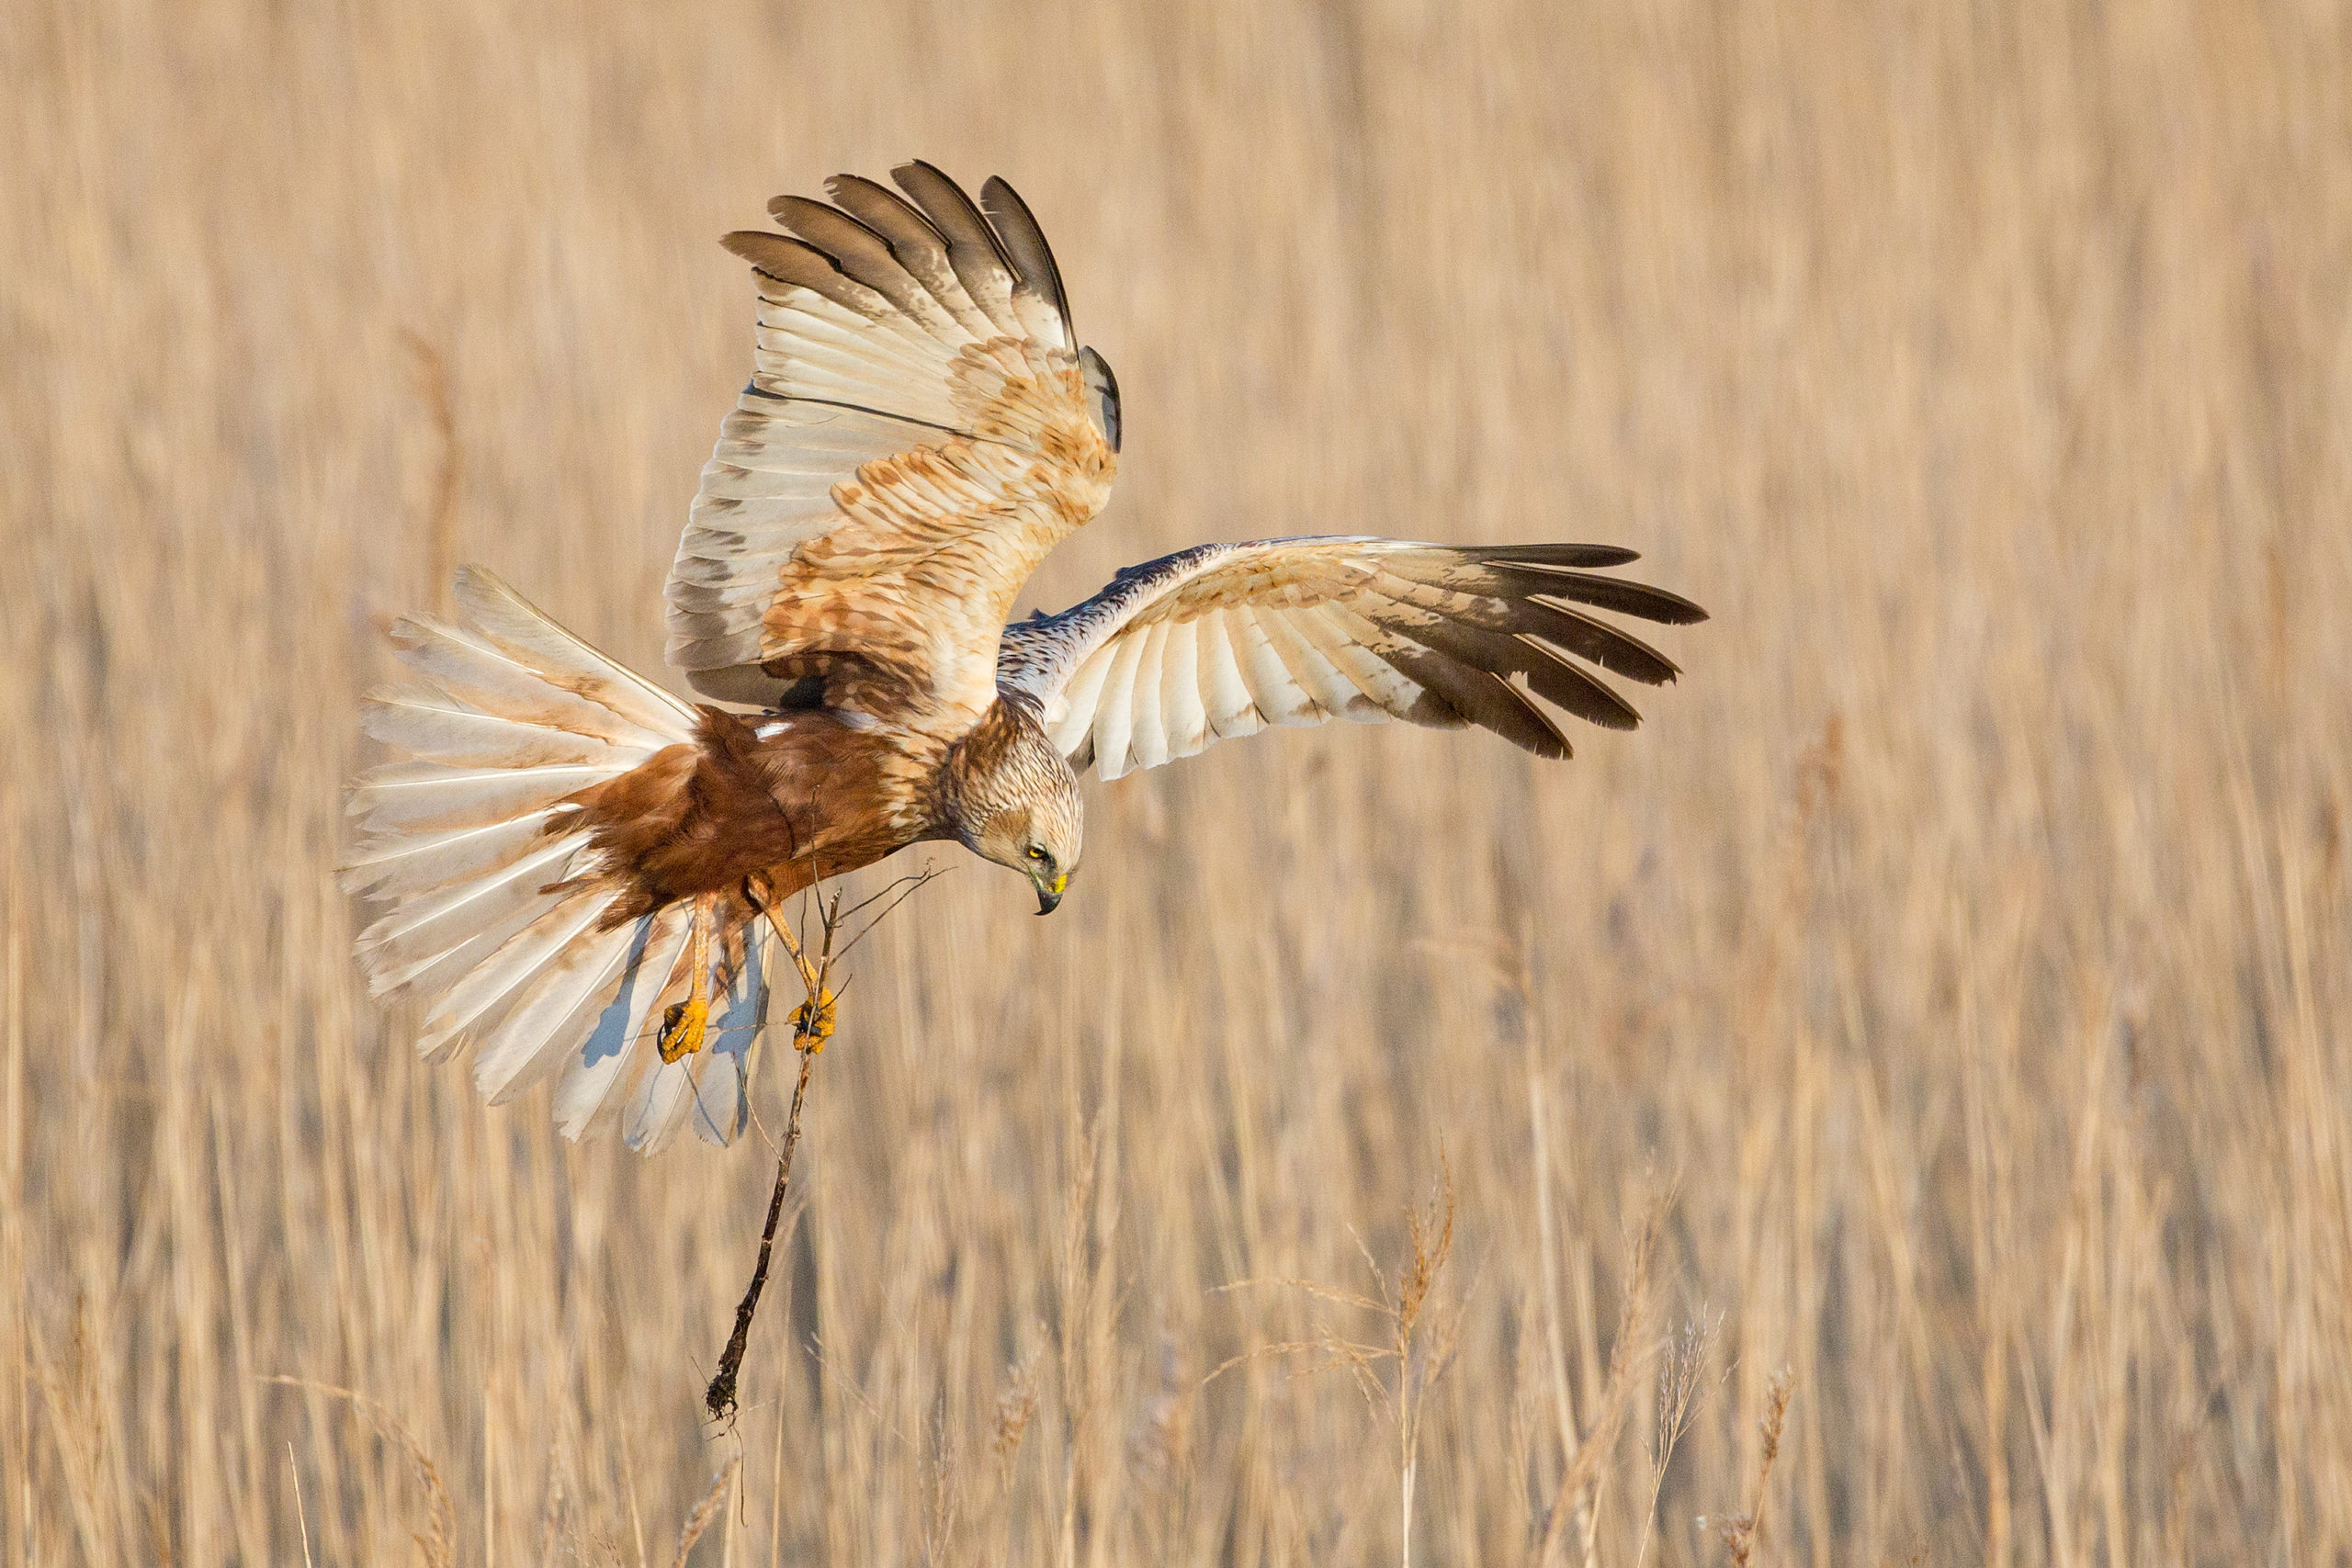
(915, 878)
(720, 1399)
(907, 887)
(811, 1025)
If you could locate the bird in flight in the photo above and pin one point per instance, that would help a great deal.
(576, 862)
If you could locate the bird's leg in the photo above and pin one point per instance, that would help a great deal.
(685, 1024)
(812, 1021)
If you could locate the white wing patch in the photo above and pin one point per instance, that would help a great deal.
(1183, 713)
(1147, 740)
(1223, 641)
(1279, 697)
(1232, 712)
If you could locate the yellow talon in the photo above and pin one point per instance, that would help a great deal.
(812, 1022)
(684, 1027)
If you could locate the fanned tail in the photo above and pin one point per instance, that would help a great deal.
(471, 841)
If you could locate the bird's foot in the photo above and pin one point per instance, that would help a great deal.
(684, 1027)
(812, 1022)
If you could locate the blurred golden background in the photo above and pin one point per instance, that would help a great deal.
(1957, 968)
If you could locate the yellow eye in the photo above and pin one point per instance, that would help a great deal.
(1037, 853)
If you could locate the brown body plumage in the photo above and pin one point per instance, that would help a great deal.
(577, 861)
(787, 803)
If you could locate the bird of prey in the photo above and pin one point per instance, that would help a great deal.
(576, 861)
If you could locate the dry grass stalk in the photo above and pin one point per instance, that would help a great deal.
(703, 1512)
(552, 1511)
(1160, 1444)
(1423, 1349)
(1008, 1427)
(1739, 1530)
(1076, 1299)
(1547, 1289)
(1394, 1377)
(947, 1511)
(301, 1513)
(1014, 1409)
(1982, 368)
(432, 372)
(77, 1413)
(1584, 1475)
(438, 1538)
(1680, 1390)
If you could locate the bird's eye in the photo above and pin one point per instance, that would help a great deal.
(1037, 853)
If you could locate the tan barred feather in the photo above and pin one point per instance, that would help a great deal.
(918, 431)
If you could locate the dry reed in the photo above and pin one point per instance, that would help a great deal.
(1969, 931)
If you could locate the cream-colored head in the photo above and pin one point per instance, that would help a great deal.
(1012, 798)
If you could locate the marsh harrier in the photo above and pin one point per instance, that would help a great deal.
(575, 859)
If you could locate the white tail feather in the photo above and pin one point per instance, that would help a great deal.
(507, 716)
(419, 797)
(516, 973)
(618, 1047)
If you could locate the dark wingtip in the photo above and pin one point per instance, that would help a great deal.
(1568, 567)
(1024, 241)
(755, 245)
(1589, 555)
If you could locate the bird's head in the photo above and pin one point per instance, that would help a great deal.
(1042, 841)
(1015, 801)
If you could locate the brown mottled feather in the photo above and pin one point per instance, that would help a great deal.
(914, 441)
(812, 799)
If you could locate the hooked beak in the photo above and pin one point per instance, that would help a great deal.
(1049, 894)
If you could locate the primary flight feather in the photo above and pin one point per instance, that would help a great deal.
(576, 861)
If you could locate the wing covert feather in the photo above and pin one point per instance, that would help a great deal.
(918, 431)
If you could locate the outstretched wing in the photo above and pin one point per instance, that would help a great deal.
(1222, 640)
(920, 428)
